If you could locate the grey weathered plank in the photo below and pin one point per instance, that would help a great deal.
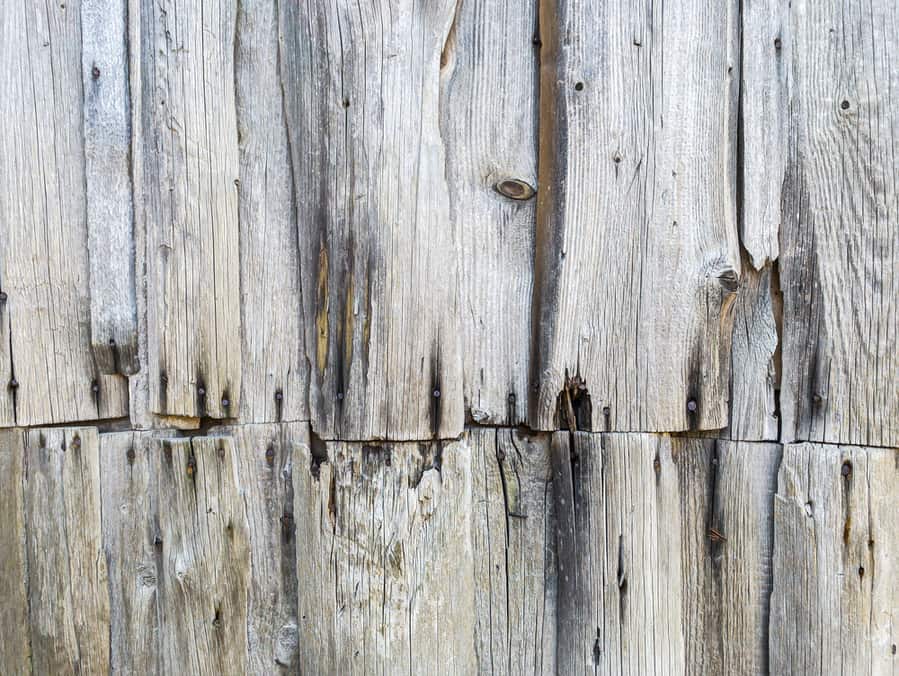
(637, 245)
(7, 394)
(188, 134)
(765, 109)
(15, 648)
(838, 267)
(513, 545)
(385, 578)
(379, 250)
(835, 602)
(664, 553)
(275, 370)
(110, 221)
(489, 127)
(68, 600)
(203, 562)
(44, 257)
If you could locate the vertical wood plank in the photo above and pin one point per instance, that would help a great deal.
(68, 599)
(275, 369)
(637, 245)
(44, 258)
(190, 184)
(835, 602)
(110, 221)
(489, 126)
(838, 268)
(379, 259)
(513, 549)
(7, 377)
(385, 580)
(15, 648)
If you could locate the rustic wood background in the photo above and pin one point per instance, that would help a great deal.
(449, 336)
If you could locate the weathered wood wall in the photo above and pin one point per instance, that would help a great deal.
(452, 336)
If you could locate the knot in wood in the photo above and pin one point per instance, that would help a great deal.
(515, 189)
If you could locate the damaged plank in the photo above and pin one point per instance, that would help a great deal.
(513, 548)
(386, 574)
(835, 602)
(489, 126)
(15, 648)
(275, 368)
(379, 251)
(51, 376)
(107, 154)
(637, 244)
(189, 186)
(838, 266)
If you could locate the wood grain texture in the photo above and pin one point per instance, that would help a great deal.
(489, 126)
(110, 219)
(764, 110)
(44, 258)
(379, 250)
(664, 553)
(275, 369)
(68, 599)
(838, 268)
(835, 602)
(514, 552)
(188, 133)
(637, 244)
(15, 648)
(385, 576)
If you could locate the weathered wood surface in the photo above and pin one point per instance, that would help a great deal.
(386, 569)
(835, 603)
(637, 248)
(379, 251)
(838, 266)
(50, 376)
(489, 126)
(107, 155)
(15, 653)
(188, 133)
(514, 552)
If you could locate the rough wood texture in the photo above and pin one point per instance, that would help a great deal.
(68, 601)
(275, 370)
(838, 267)
(637, 246)
(190, 154)
(15, 649)
(386, 580)
(514, 552)
(110, 221)
(489, 126)
(379, 259)
(44, 257)
(664, 553)
(835, 603)
(764, 110)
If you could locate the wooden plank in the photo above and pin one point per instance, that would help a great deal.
(764, 110)
(188, 134)
(835, 602)
(637, 246)
(203, 559)
(275, 370)
(68, 600)
(15, 648)
(379, 251)
(386, 580)
(44, 257)
(514, 566)
(664, 550)
(7, 393)
(489, 126)
(107, 148)
(838, 267)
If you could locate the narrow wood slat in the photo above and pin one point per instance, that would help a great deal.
(379, 250)
(15, 648)
(637, 246)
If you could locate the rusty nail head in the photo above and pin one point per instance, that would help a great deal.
(226, 403)
(95, 72)
(846, 469)
(95, 387)
(13, 384)
(279, 395)
(691, 406)
(270, 455)
(437, 394)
